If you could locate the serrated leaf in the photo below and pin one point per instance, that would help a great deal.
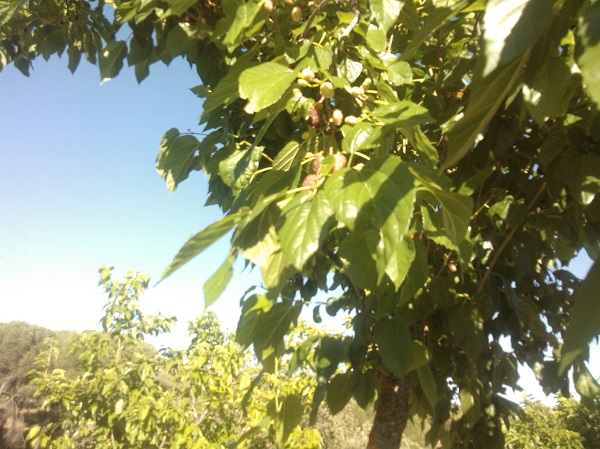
(264, 84)
(487, 95)
(272, 325)
(584, 320)
(386, 12)
(304, 228)
(395, 344)
(340, 390)
(589, 61)
(509, 29)
(217, 283)
(202, 240)
(111, 59)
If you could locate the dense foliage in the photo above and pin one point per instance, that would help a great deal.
(205, 396)
(432, 165)
(570, 425)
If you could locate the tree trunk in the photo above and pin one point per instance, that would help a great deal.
(392, 414)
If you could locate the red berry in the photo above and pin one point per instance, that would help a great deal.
(310, 181)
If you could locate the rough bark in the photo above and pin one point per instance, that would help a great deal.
(392, 414)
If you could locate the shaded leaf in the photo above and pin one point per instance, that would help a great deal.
(395, 344)
(584, 322)
(111, 59)
(340, 390)
(487, 95)
(589, 61)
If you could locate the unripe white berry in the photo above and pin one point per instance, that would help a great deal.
(326, 90)
(337, 117)
(296, 14)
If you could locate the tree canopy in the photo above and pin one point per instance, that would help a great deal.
(432, 166)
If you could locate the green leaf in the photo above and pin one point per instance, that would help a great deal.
(381, 195)
(364, 391)
(456, 213)
(178, 7)
(487, 95)
(244, 17)
(386, 12)
(395, 256)
(202, 240)
(272, 325)
(276, 272)
(377, 39)
(585, 384)
(361, 268)
(402, 114)
(304, 228)
(340, 390)
(360, 136)
(420, 356)
(286, 156)
(175, 160)
(395, 344)
(12, 10)
(511, 29)
(428, 385)
(584, 321)
(434, 20)
(548, 94)
(264, 84)
(399, 71)
(589, 61)
(216, 284)
(111, 59)
(287, 418)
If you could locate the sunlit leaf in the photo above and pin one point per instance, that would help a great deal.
(304, 228)
(202, 240)
(264, 84)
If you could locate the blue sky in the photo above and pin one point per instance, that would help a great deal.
(79, 189)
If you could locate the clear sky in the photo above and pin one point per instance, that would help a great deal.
(79, 189)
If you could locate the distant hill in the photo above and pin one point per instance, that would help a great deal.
(20, 344)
